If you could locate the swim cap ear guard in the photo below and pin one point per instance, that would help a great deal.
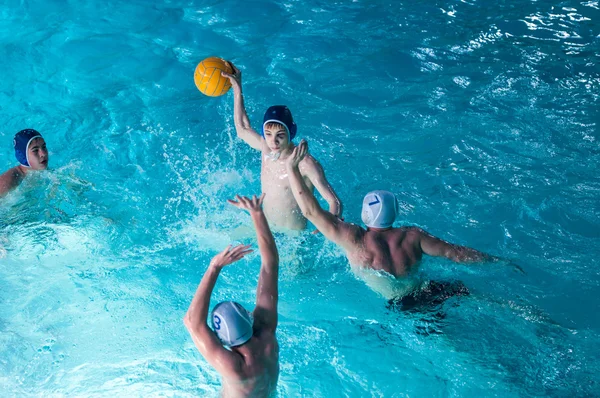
(379, 209)
(21, 143)
(232, 323)
(280, 114)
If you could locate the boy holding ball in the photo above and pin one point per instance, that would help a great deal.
(275, 145)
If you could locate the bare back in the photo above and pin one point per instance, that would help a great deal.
(394, 250)
(259, 372)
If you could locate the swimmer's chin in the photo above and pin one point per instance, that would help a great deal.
(278, 149)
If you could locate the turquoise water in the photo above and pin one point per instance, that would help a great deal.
(482, 119)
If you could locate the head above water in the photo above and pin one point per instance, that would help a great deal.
(279, 128)
(30, 149)
(379, 209)
(232, 323)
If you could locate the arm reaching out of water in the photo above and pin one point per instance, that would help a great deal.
(314, 171)
(224, 361)
(331, 226)
(240, 116)
(265, 312)
(461, 254)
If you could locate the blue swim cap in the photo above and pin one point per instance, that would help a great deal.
(280, 114)
(232, 323)
(21, 142)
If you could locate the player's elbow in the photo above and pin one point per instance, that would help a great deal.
(190, 324)
(457, 258)
(187, 321)
(307, 211)
(269, 263)
(311, 209)
(452, 253)
(464, 255)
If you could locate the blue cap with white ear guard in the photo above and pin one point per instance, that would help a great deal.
(21, 143)
(232, 323)
(280, 114)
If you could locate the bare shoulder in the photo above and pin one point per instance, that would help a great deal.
(309, 166)
(412, 231)
(12, 176)
(266, 338)
(410, 234)
(354, 232)
(309, 162)
(12, 172)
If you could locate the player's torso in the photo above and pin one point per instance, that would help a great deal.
(260, 371)
(392, 251)
(280, 206)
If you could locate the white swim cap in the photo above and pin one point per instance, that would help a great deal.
(379, 209)
(232, 323)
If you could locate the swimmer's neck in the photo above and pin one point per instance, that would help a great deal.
(22, 170)
(379, 229)
(243, 350)
(286, 152)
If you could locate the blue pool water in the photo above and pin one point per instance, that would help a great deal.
(482, 118)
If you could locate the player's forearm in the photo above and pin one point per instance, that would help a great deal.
(335, 206)
(304, 197)
(463, 254)
(198, 310)
(240, 116)
(266, 242)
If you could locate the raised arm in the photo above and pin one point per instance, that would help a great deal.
(331, 226)
(461, 254)
(240, 116)
(209, 345)
(267, 294)
(314, 171)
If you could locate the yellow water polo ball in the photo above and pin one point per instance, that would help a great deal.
(208, 77)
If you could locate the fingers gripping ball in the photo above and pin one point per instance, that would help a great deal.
(208, 77)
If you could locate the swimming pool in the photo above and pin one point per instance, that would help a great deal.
(482, 119)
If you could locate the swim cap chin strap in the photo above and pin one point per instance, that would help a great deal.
(379, 209)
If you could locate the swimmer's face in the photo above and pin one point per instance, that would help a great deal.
(37, 154)
(276, 137)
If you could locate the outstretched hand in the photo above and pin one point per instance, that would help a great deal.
(516, 267)
(243, 202)
(236, 77)
(297, 154)
(230, 255)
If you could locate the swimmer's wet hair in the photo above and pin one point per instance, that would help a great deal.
(274, 125)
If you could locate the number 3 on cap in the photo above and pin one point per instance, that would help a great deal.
(217, 322)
